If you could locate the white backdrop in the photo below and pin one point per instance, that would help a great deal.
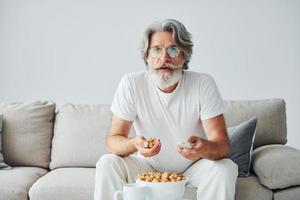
(77, 51)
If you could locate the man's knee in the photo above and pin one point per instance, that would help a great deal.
(226, 169)
(108, 161)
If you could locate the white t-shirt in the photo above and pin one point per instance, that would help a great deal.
(171, 117)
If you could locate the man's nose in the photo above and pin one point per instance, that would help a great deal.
(165, 56)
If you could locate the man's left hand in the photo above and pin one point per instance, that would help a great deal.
(196, 152)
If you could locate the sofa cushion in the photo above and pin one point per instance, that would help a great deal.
(271, 119)
(79, 135)
(248, 188)
(241, 144)
(78, 184)
(27, 133)
(65, 184)
(277, 166)
(3, 165)
(287, 194)
(15, 183)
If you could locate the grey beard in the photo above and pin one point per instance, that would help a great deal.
(166, 79)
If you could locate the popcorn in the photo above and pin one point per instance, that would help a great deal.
(160, 177)
(150, 143)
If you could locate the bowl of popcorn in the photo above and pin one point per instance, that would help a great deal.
(163, 185)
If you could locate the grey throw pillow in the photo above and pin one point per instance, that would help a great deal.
(3, 165)
(241, 144)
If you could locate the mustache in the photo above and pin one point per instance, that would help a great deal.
(169, 65)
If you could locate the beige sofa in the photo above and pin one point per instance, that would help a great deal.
(53, 151)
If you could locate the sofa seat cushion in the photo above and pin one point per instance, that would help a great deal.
(248, 188)
(277, 166)
(15, 183)
(65, 184)
(78, 184)
(287, 194)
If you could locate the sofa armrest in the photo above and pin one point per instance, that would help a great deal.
(277, 166)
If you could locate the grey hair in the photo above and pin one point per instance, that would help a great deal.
(181, 37)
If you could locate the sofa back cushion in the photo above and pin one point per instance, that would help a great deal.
(27, 133)
(79, 135)
(271, 119)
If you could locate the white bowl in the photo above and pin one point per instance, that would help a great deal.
(165, 190)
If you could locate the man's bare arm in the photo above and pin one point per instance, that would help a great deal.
(117, 141)
(217, 143)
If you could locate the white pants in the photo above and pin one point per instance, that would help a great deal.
(215, 180)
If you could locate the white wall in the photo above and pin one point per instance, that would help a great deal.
(77, 51)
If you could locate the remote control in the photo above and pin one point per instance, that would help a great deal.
(184, 145)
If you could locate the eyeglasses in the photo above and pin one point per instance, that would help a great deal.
(157, 52)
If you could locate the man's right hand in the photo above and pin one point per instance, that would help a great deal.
(140, 144)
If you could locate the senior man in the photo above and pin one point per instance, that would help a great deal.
(168, 102)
